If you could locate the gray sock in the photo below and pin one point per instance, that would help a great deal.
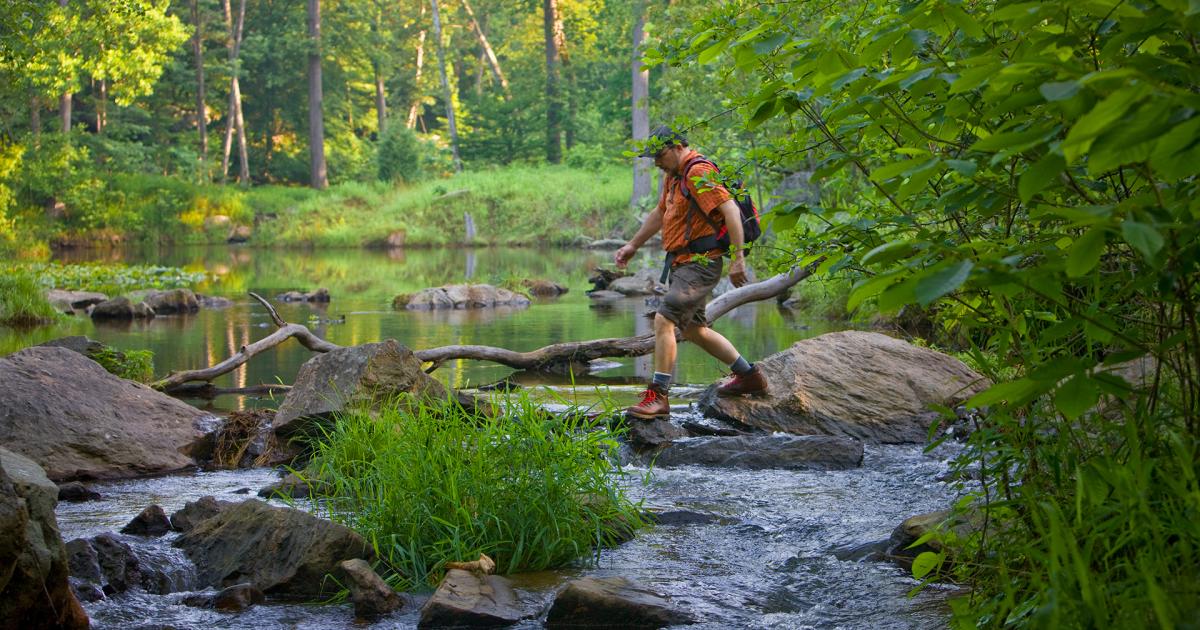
(662, 380)
(741, 366)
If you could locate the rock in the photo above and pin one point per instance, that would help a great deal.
(281, 551)
(907, 532)
(152, 521)
(605, 243)
(217, 221)
(237, 598)
(681, 517)
(112, 565)
(643, 283)
(85, 591)
(172, 301)
(464, 296)
(698, 429)
(319, 295)
(121, 308)
(601, 278)
(759, 452)
(33, 560)
(239, 234)
(76, 492)
(371, 595)
(467, 600)
(291, 486)
(77, 299)
(194, 512)
(605, 295)
(652, 434)
(611, 603)
(352, 376)
(859, 552)
(78, 421)
(852, 383)
(544, 288)
(212, 301)
(76, 343)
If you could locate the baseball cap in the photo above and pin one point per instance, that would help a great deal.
(660, 138)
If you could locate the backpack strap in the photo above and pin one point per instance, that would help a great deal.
(695, 206)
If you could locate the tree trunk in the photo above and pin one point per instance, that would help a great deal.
(550, 26)
(415, 107)
(102, 107)
(35, 118)
(380, 100)
(64, 101)
(316, 121)
(437, 36)
(233, 119)
(201, 106)
(642, 167)
(493, 62)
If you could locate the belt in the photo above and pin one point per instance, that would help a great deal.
(702, 245)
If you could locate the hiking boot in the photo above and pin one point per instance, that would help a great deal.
(752, 382)
(654, 405)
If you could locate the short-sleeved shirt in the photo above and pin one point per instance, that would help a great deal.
(675, 206)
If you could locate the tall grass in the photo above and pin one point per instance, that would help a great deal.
(428, 484)
(22, 301)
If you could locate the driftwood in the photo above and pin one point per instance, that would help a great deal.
(560, 356)
(555, 357)
(285, 331)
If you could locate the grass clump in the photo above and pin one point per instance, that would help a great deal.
(429, 484)
(23, 301)
(133, 365)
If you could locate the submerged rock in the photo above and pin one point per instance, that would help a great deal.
(759, 452)
(75, 492)
(318, 295)
(544, 288)
(77, 421)
(291, 486)
(33, 559)
(462, 296)
(371, 595)
(906, 533)
(612, 603)
(237, 598)
(467, 600)
(114, 566)
(213, 301)
(858, 384)
(281, 551)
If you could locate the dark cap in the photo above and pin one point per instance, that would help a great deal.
(660, 138)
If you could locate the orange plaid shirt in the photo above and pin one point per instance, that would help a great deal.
(675, 207)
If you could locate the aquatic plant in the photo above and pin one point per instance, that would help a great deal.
(22, 300)
(428, 484)
(109, 278)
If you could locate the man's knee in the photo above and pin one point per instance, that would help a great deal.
(662, 324)
(693, 332)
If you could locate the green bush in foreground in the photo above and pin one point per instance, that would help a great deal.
(133, 365)
(22, 301)
(430, 485)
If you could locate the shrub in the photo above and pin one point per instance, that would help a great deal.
(429, 484)
(22, 300)
(133, 365)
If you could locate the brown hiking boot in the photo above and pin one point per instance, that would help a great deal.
(752, 382)
(654, 405)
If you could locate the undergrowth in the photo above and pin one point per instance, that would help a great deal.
(22, 300)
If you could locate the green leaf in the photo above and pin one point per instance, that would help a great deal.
(1085, 253)
(942, 281)
(1144, 238)
(1039, 175)
(914, 78)
(963, 21)
(1059, 91)
(1077, 395)
(1013, 392)
(711, 53)
(965, 168)
(1013, 140)
(1103, 116)
(867, 289)
(785, 222)
(926, 562)
(765, 111)
(889, 253)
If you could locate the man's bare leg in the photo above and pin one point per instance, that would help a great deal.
(712, 342)
(664, 344)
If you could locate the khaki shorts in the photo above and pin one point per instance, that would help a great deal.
(691, 284)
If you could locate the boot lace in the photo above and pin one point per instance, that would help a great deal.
(648, 397)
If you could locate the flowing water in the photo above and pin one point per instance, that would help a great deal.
(770, 555)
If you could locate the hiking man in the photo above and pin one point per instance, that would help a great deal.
(690, 220)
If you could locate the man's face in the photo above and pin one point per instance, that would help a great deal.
(667, 158)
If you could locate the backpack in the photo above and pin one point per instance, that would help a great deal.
(751, 227)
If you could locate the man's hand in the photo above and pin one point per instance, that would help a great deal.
(737, 271)
(624, 255)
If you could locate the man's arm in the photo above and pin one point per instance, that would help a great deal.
(650, 227)
(737, 239)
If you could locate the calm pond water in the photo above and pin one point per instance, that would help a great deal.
(768, 558)
(362, 284)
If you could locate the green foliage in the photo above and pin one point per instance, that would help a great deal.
(112, 279)
(1029, 171)
(134, 365)
(403, 156)
(23, 301)
(428, 484)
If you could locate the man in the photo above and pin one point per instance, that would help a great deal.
(689, 223)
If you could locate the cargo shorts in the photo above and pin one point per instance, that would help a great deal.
(691, 284)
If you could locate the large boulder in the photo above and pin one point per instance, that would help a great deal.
(644, 282)
(316, 295)
(612, 603)
(194, 512)
(170, 301)
(852, 383)
(77, 421)
(34, 591)
(121, 308)
(281, 551)
(350, 377)
(371, 595)
(760, 452)
(468, 600)
(75, 300)
(461, 296)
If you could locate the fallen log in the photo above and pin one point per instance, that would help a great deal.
(285, 331)
(572, 356)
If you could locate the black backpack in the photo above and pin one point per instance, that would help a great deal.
(751, 227)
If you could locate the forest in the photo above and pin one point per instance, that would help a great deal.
(1014, 183)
